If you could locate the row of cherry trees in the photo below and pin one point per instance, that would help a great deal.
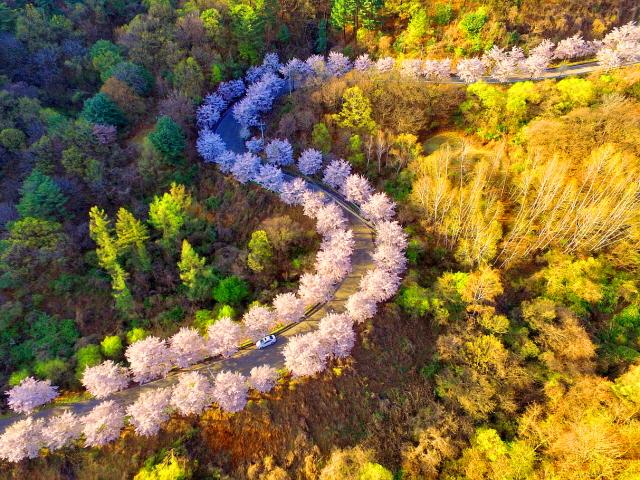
(307, 354)
(192, 393)
(152, 357)
(620, 46)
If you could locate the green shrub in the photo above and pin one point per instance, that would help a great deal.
(231, 290)
(12, 139)
(321, 138)
(16, 377)
(171, 317)
(41, 197)
(415, 300)
(443, 14)
(47, 337)
(104, 55)
(473, 22)
(136, 334)
(222, 311)
(111, 347)
(374, 471)
(171, 468)
(55, 370)
(88, 356)
(202, 319)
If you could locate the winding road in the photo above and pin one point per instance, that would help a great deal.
(247, 358)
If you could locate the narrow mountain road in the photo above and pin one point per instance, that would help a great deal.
(246, 359)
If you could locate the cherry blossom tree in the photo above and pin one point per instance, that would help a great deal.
(336, 332)
(539, 59)
(271, 62)
(380, 285)
(245, 167)
(310, 161)
(22, 439)
(314, 288)
(619, 46)
(339, 240)
(334, 258)
(187, 347)
(470, 70)
(504, 64)
(312, 202)
(572, 47)
(360, 306)
(279, 152)
(270, 177)
(255, 145)
(391, 233)
(210, 145)
(305, 355)
(379, 208)
(149, 359)
(333, 264)
(103, 423)
(257, 322)
(225, 161)
(192, 393)
(357, 189)
(436, 70)
(263, 378)
(246, 113)
(609, 58)
(230, 391)
(254, 74)
(338, 64)
(363, 63)
(292, 192)
(288, 308)
(61, 430)
(336, 173)
(329, 218)
(223, 337)
(231, 90)
(106, 378)
(411, 67)
(209, 113)
(29, 394)
(150, 411)
(385, 64)
(295, 70)
(390, 258)
(317, 64)
(258, 99)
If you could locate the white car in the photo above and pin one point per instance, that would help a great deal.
(266, 341)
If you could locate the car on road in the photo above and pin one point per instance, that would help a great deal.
(266, 341)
